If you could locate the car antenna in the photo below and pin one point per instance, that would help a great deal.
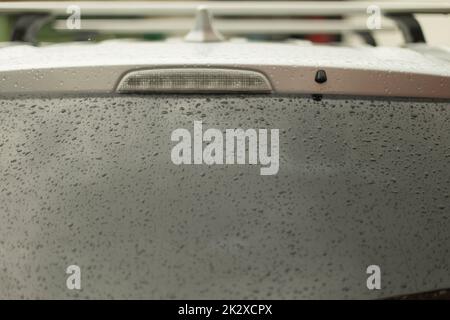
(203, 30)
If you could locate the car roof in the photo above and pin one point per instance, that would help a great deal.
(290, 67)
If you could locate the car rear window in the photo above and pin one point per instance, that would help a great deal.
(358, 181)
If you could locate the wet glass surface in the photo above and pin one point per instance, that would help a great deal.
(90, 181)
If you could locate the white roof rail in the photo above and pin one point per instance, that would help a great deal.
(281, 8)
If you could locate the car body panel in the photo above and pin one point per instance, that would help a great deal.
(291, 69)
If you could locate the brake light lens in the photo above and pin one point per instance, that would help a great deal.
(194, 80)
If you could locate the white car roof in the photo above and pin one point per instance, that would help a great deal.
(290, 67)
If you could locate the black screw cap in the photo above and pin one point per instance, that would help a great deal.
(321, 76)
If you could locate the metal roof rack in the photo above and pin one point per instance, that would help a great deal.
(177, 25)
(282, 8)
(32, 15)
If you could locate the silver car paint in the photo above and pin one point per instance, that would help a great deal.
(98, 68)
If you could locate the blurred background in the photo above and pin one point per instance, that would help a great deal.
(338, 29)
